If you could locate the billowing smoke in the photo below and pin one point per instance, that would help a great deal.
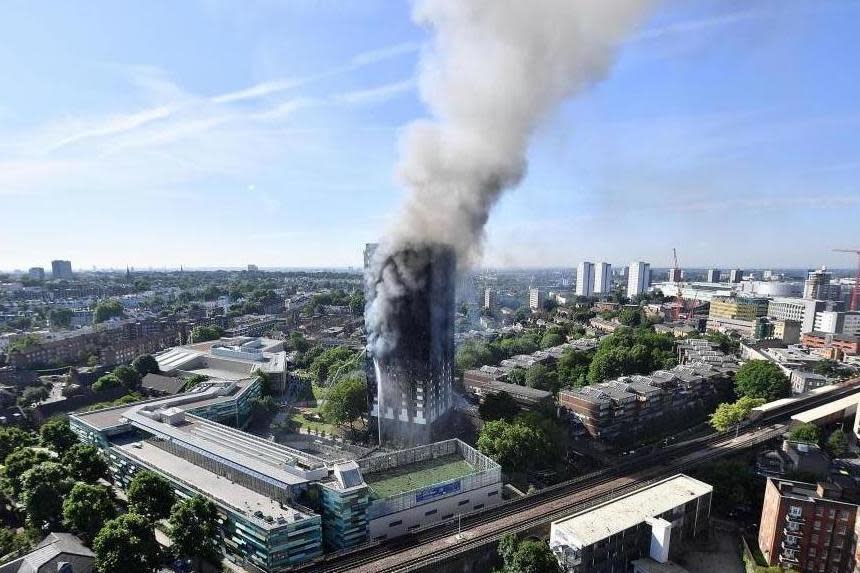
(494, 70)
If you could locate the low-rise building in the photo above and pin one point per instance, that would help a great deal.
(802, 381)
(651, 522)
(57, 553)
(836, 344)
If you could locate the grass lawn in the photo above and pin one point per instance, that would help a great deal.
(298, 419)
(415, 476)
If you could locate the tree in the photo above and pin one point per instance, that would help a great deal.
(106, 310)
(541, 377)
(549, 304)
(206, 333)
(32, 395)
(42, 491)
(729, 415)
(60, 317)
(145, 364)
(527, 556)
(85, 463)
(87, 508)
(551, 339)
(265, 382)
(630, 317)
(808, 433)
(761, 379)
(837, 443)
(127, 544)
(194, 530)
(12, 439)
(298, 342)
(57, 435)
(19, 461)
(106, 382)
(127, 375)
(150, 495)
(345, 402)
(524, 443)
(501, 406)
(517, 376)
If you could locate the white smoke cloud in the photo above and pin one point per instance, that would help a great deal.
(494, 70)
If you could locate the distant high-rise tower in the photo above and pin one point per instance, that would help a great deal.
(735, 275)
(37, 273)
(585, 279)
(638, 279)
(61, 270)
(674, 275)
(253, 268)
(491, 299)
(818, 286)
(602, 278)
(536, 298)
(713, 275)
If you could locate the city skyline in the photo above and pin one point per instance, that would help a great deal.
(134, 151)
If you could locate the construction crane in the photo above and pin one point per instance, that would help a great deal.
(855, 292)
(679, 300)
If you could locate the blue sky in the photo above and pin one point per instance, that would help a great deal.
(218, 133)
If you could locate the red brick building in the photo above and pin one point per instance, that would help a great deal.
(807, 527)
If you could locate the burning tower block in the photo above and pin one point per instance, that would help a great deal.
(413, 352)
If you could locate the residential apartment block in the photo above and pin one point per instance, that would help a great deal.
(602, 278)
(638, 278)
(640, 404)
(807, 527)
(585, 279)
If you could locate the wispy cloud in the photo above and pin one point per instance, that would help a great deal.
(358, 61)
(695, 26)
(114, 125)
(376, 95)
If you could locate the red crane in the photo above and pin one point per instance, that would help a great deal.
(855, 292)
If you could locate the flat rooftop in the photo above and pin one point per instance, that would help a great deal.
(401, 479)
(217, 487)
(113, 416)
(592, 525)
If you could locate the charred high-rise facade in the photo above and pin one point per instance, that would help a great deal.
(411, 342)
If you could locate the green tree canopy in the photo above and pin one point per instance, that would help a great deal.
(808, 433)
(298, 342)
(541, 377)
(42, 490)
(107, 309)
(13, 438)
(60, 317)
(87, 508)
(345, 402)
(129, 377)
(106, 382)
(150, 495)
(761, 379)
(551, 339)
(629, 351)
(501, 406)
(145, 364)
(57, 435)
(525, 443)
(526, 556)
(206, 333)
(728, 415)
(127, 544)
(332, 362)
(85, 463)
(837, 443)
(19, 461)
(194, 530)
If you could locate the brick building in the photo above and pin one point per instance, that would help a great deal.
(807, 527)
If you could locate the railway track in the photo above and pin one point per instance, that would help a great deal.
(664, 462)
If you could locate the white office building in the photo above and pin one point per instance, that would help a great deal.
(713, 275)
(602, 278)
(638, 279)
(801, 310)
(585, 279)
(834, 322)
